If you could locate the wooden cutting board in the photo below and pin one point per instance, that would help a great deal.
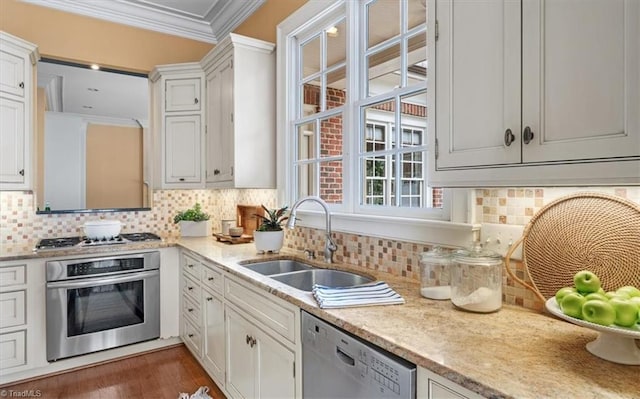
(247, 219)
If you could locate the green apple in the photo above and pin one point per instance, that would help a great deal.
(616, 294)
(629, 290)
(636, 300)
(626, 312)
(599, 312)
(562, 292)
(596, 295)
(571, 304)
(586, 282)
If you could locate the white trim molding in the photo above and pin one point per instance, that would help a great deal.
(220, 19)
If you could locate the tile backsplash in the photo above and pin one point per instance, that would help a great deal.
(20, 226)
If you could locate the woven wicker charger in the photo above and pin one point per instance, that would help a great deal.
(583, 231)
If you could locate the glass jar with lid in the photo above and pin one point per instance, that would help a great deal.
(435, 274)
(476, 279)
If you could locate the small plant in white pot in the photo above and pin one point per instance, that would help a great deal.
(193, 222)
(269, 236)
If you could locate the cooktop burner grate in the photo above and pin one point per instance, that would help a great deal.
(56, 243)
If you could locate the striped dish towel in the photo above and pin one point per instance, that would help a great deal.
(378, 293)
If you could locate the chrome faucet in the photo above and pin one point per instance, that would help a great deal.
(329, 247)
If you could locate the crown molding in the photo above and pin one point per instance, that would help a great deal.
(223, 17)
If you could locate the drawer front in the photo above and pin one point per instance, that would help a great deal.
(13, 275)
(272, 314)
(191, 288)
(192, 267)
(191, 309)
(13, 349)
(192, 337)
(12, 308)
(212, 279)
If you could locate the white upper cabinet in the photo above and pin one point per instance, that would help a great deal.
(178, 126)
(182, 95)
(241, 97)
(534, 92)
(17, 60)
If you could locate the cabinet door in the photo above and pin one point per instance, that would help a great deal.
(477, 82)
(12, 72)
(182, 95)
(241, 358)
(214, 339)
(12, 141)
(182, 149)
(258, 366)
(214, 126)
(275, 369)
(220, 132)
(581, 79)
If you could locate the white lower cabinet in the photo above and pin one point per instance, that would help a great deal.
(22, 329)
(246, 339)
(258, 366)
(433, 386)
(213, 355)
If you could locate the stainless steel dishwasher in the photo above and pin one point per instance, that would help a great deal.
(336, 364)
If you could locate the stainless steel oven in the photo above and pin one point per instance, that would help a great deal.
(100, 303)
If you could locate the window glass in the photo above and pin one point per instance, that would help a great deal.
(376, 136)
(331, 183)
(331, 136)
(306, 141)
(382, 73)
(383, 21)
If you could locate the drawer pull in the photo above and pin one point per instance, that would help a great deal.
(190, 288)
(190, 310)
(189, 265)
(209, 298)
(190, 335)
(210, 278)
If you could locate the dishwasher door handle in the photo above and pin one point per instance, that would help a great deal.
(344, 357)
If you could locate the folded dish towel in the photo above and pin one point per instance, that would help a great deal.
(378, 293)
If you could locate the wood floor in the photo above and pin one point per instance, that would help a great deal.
(161, 374)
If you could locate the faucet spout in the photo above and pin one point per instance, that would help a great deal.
(330, 246)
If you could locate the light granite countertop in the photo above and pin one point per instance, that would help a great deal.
(513, 353)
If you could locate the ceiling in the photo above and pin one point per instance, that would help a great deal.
(203, 20)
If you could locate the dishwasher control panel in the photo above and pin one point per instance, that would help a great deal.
(336, 363)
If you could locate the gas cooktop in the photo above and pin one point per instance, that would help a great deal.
(66, 242)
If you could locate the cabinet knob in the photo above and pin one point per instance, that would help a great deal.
(190, 310)
(210, 278)
(190, 335)
(189, 265)
(21, 85)
(508, 137)
(209, 298)
(253, 342)
(195, 100)
(21, 172)
(527, 135)
(216, 172)
(247, 339)
(190, 288)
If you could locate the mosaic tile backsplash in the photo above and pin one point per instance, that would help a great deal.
(19, 225)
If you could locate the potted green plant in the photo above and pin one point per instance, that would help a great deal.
(269, 236)
(193, 222)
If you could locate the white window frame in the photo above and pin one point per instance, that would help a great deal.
(450, 228)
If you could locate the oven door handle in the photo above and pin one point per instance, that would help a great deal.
(92, 282)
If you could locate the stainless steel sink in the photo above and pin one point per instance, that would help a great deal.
(271, 267)
(304, 280)
(303, 276)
